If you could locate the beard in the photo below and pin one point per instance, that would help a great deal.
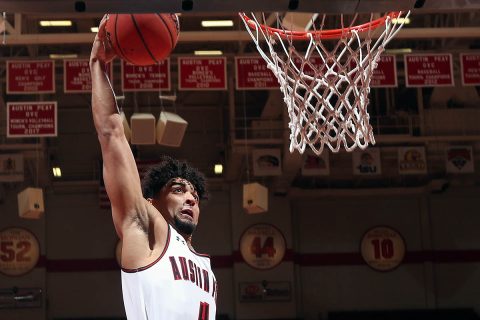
(185, 227)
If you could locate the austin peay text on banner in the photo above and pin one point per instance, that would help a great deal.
(11, 167)
(459, 159)
(252, 73)
(412, 160)
(196, 73)
(146, 78)
(470, 68)
(32, 119)
(30, 77)
(76, 75)
(367, 162)
(429, 70)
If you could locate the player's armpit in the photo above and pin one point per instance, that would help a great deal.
(137, 218)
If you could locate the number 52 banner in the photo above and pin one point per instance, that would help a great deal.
(19, 251)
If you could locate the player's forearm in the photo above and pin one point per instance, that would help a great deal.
(104, 108)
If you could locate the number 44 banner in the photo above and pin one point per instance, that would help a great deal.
(262, 246)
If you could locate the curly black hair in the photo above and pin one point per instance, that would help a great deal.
(157, 176)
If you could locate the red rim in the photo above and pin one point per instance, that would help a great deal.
(321, 34)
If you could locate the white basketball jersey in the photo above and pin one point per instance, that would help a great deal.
(178, 285)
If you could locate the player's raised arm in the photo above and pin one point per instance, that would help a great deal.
(120, 173)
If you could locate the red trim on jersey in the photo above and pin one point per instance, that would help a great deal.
(154, 262)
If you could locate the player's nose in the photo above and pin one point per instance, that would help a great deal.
(190, 199)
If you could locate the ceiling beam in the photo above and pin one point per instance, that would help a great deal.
(142, 6)
(223, 36)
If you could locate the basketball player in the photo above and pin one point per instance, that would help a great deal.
(162, 275)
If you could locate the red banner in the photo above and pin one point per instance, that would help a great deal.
(202, 73)
(76, 76)
(146, 78)
(30, 77)
(429, 70)
(316, 62)
(470, 69)
(385, 75)
(252, 74)
(32, 119)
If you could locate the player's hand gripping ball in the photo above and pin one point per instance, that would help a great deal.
(143, 39)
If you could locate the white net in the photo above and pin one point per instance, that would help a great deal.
(325, 87)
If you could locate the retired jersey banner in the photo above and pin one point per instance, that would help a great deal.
(367, 162)
(460, 159)
(146, 78)
(251, 73)
(31, 119)
(30, 77)
(470, 63)
(382, 248)
(314, 165)
(412, 160)
(11, 167)
(429, 70)
(19, 251)
(202, 73)
(267, 162)
(76, 75)
(263, 246)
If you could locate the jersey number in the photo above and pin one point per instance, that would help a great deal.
(203, 311)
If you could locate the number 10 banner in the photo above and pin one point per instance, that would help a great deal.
(382, 248)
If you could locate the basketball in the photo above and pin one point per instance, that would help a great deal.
(143, 39)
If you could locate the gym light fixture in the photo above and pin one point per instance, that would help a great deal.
(399, 51)
(56, 23)
(94, 29)
(57, 172)
(208, 52)
(63, 56)
(217, 23)
(218, 168)
(401, 20)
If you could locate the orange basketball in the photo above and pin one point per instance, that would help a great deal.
(143, 39)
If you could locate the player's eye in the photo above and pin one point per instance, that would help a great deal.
(177, 190)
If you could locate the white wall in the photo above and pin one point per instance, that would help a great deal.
(278, 215)
(439, 222)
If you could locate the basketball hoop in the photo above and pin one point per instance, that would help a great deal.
(326, 88)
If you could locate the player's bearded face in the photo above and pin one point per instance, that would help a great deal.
(180, 201)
